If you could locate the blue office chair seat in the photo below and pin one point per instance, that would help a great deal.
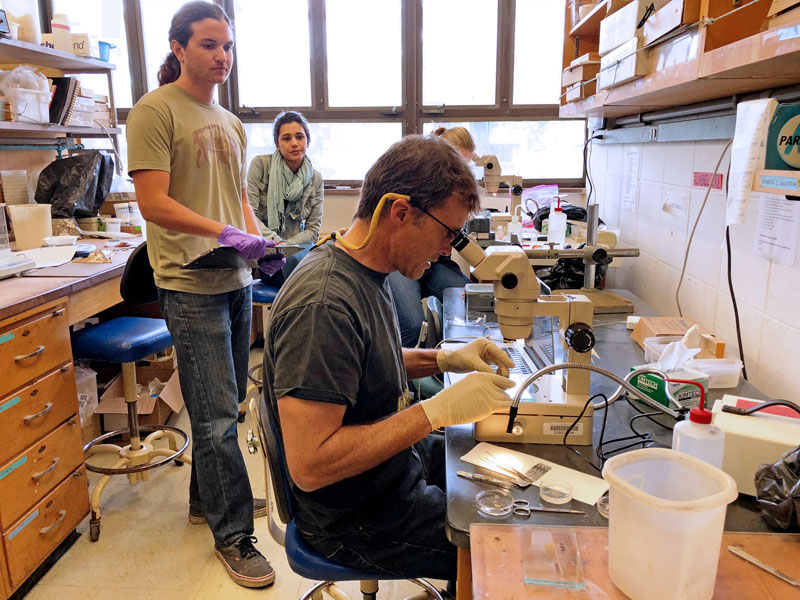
(304, 560)
(122, 340)
(126, 340)
(263, 293)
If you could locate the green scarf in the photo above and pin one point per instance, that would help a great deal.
(285, 189)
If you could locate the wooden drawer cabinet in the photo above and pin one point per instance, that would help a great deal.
(33, 346)
(28, 541)
(43, 487)
(30, 476)
(37, 409)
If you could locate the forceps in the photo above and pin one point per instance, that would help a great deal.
(523, 508)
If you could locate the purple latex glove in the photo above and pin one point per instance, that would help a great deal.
(248, 245)
(270, 267)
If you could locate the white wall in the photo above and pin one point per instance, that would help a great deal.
(767, 293)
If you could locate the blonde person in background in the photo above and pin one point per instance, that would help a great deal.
(286, 192)
(442, 274)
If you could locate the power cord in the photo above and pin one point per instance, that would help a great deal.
(587, 166)
(577, 420)
(746, 412)
(733, 301)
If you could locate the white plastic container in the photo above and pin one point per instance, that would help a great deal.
(699, 438)
(666, 516)
(28, 106)
(557, 225)
(32, 223)
(654, 346)
(62, 35)
(722, 372)
(122, 210)
(112, 224)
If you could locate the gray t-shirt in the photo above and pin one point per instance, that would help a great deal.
(333, 337)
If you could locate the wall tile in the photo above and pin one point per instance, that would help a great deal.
(598, 157)
(645, 284)
(666, 280)
(672, 225)
(648, 217)
(678, 161)
(699, 302)
(778, 374)
(615, 158)
(612, 200)
(751, 323)
(706, 155)
(653, 162)
(707, 246)
(784, 293)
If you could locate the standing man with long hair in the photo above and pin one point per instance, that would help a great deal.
(186, 155)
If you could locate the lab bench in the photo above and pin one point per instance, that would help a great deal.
(617, 352)
(44, 490)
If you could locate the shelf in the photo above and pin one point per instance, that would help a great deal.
(15, 51)
(49, 129)
(590, 24)
(762, 61)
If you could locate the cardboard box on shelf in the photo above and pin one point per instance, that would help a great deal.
(710, 346)
(784, 18)
(580, 90)
(589, 57)
(582, 72)
(670, 17)
(778, 6)
(151, 411)
(626, 63)
(626, 23)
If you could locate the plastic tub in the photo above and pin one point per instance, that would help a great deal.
(722, 372)
(113, 224)
(32, 223)
(28, 106)
(667, 512)
(654, 346)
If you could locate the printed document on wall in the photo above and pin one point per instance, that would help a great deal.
(776, 231)
(747, 153)
(630, 179)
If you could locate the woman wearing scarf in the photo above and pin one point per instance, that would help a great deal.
(285, 191)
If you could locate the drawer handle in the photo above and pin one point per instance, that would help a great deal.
(61, 515)
(46, 410)
(36, 352)
(40, 474)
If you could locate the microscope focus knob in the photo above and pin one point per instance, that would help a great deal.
(509, 281)
(517, 428)
(600, 255)
(516, 190)
(579, 337)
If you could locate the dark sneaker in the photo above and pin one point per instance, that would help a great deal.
(246, 565)
(197, 517)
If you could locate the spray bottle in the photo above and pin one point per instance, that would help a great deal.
(557, 225)
(697, 436)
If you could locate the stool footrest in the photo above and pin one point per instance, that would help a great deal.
(138, 468)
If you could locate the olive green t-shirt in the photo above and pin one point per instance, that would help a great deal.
(202, 146)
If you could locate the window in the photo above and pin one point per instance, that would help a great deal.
(339, 151)
(531, 149)
(103, 19)
(375, 50)
(459, 52)
(538, 42)
(272, 53)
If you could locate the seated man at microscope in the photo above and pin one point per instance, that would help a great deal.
(367, 477)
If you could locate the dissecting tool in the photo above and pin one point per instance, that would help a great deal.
(484, 479)
(752, 559)
(523, 508)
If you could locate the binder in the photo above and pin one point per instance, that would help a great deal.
(63, 98)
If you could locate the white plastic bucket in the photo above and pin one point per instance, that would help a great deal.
(667, 513)
(32, 223)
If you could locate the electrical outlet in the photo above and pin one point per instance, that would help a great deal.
(652, 133)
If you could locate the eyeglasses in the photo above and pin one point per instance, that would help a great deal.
(452, 233)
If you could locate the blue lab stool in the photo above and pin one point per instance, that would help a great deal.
(304, 560)
(126, 340)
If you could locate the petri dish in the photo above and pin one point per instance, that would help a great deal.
(555, 491)
(602, 505)
(469, 319)
(495, 503)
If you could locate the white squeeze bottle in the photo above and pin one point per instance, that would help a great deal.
(698, 437)
(557, 225)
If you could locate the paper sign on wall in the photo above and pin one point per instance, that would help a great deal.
(630, 179)
(776, 230)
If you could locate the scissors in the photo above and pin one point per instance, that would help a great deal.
(523, 508)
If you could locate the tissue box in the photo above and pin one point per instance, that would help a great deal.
(710, 347)
(687, 394)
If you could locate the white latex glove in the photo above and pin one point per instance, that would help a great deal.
(473, 398)
(478, 355)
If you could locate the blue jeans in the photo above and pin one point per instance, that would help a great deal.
(211, 334)
(404, 536)
(408, 295)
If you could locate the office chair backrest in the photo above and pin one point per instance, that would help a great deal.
(138, 285)
(278, 472)
(433, 316)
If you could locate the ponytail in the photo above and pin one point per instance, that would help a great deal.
(170, 70)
